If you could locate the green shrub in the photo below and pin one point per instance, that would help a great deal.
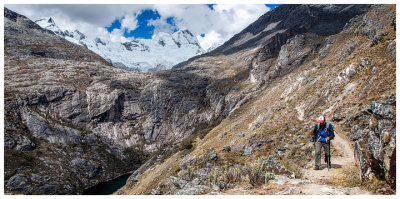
(257, 174)
(293, 167)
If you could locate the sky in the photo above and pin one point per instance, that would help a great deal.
(211, 23)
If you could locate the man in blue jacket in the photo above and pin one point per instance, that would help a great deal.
(323, 133)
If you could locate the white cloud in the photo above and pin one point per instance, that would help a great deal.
(161, 26)
(209, 39)
(236, 17)
(218, 24)
(96, 14)
(117, 35)
(129, 22)
(197, 18)
(85, 17)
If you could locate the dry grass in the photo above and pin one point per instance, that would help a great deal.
(309, 85)
(378, 186)
(252, 174)
(345, 177)
(150, 179)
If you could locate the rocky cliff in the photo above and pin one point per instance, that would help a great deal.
(333, 60)
(71, 117)
(69, 112)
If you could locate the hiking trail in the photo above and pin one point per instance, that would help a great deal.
(342, 163)
(316, 182)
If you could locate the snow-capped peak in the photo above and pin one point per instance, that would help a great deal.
(162, 51)
(184, 36)
(164, 39)
(49, 24)
(215, 45)
(51, 21)
(73, 36)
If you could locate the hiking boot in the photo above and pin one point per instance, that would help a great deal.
(316, 168)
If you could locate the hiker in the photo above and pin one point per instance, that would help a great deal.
(322, 135)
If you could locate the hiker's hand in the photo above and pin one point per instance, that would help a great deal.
(313, 143)
(327, 139)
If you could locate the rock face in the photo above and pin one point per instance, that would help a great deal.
(292, 65)
(73, 121)
(65, 102)
(374, 133)
(274, 28)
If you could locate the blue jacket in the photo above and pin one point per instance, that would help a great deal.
(322, 133)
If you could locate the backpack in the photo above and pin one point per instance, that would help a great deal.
(327, 126)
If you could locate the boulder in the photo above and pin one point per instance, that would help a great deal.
(25, 144)
(211, 155)
(51, 188)
(93, 170)
(179, 182)
(193, 187)
(17, 182)
(226, 148)
(246, 150)
(373, 132)
(9, 142)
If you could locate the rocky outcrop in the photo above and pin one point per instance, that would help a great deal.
(291, 55)
(291, 72)
(63, 97)
(72, 122)
(291, 20)
(374, 132)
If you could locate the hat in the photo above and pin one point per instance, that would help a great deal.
(321, 119)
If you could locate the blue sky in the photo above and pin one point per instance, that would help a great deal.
(143, 30)
(272, 6)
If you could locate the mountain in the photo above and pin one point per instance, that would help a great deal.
(215, 45)
(73, 121)
(290, 66)
(163, 51)
(236, 120)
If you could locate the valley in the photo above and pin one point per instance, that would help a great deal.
(236, 120)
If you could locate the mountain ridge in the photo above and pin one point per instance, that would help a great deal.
(162, 51)
(294, 80)
(234, 121)
(300, 20)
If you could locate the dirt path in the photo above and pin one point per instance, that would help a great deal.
(316, 182)
(342, 162)
(324, 181)
(342, 158)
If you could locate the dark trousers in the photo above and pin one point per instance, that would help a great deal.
(318, 151)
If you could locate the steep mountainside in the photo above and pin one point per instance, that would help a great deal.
(297, 72)
(73, 120)
(161, 52)
(237, 118)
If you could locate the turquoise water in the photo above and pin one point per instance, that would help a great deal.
(107, 188)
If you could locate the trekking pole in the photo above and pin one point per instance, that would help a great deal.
(329, 154)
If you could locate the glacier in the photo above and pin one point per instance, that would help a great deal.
(161, 52)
